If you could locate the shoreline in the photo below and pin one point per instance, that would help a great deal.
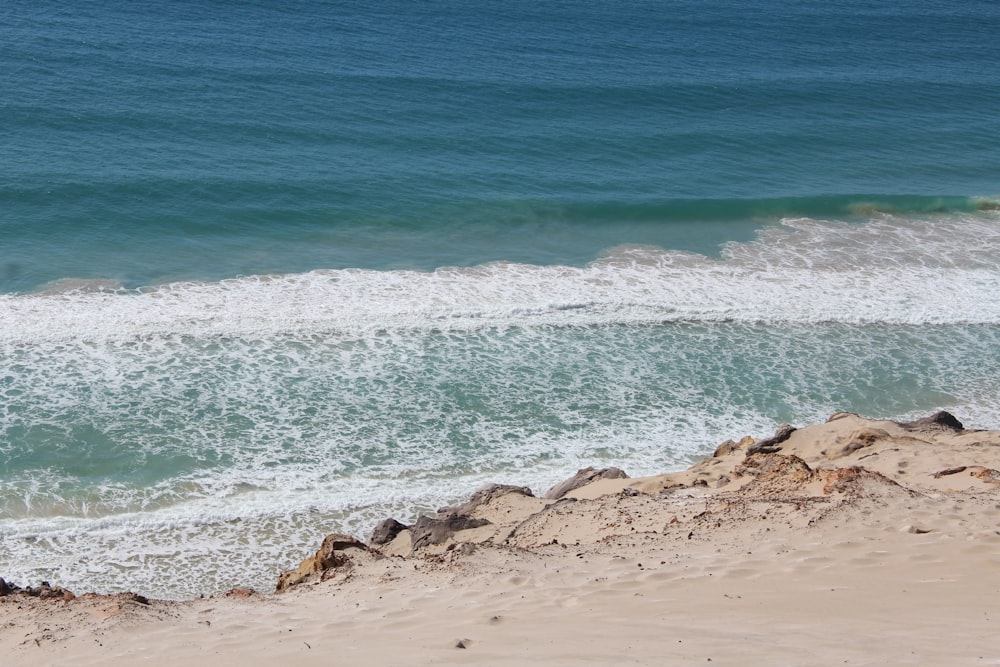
(853, 540)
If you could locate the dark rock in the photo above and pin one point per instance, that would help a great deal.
(427, 531)
(938, 420)
(7, 589)
(771, 445)
(386, 532)
(583, 477)
(484, 496)
(45, 591)
(949, 471)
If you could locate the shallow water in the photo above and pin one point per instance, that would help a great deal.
(273, 272)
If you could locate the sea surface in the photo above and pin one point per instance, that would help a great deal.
(271, 270)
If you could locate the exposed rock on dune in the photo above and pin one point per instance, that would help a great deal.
(44, 590)
(583, 477)
(849, 528)
(333, 553)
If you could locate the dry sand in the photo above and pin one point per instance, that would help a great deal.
(841, 544)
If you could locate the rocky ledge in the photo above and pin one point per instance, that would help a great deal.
(799, 475)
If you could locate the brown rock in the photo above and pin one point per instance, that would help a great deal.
(730, 446)
(583, 477)
(777, 464)
(330, 555)
(774, 474)
(950, 471)
(725, 448)
(858, 481)
(987, 474)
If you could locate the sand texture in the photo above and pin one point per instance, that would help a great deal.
(854, 541)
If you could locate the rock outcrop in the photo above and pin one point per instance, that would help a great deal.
(386, 531)
(583, 477)
(800, 476)
(428, 530)
(484, 496)
(44, 590)
(940, 420)
(333, 553)
(772, 444)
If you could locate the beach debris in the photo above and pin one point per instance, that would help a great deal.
(240, 593)
(915, 530)
(950, 471)
(583, 477)
(986, 474)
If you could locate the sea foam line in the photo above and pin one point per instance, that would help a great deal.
(507, 295)
(941, 271)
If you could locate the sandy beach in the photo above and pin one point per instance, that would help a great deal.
(853, 541)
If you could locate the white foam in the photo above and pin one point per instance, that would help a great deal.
(179, 550)
(891, 271)
(161, 430)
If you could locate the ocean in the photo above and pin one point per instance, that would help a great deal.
(274, 270)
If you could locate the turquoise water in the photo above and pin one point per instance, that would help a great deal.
(270, 271)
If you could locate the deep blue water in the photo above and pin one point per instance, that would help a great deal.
(161, 141)
(269, 270)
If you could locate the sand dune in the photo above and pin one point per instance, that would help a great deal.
(850, 542)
